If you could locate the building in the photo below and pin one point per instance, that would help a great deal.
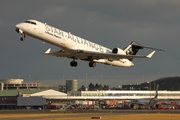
(34, 98)
(30, 98)
(9, 84)
(71, 85)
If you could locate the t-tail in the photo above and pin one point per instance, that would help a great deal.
(134, 47)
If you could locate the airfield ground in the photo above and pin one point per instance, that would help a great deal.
(89, 117)
(21, 115)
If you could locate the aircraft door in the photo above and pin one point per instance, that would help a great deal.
(40, 30)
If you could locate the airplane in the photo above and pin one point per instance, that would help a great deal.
(146, 102)
(75, 47)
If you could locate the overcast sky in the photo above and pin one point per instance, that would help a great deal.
(111, 23)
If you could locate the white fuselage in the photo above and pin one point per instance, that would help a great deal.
(67, 41)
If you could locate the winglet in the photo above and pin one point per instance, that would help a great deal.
(48, 51)
(151, 54)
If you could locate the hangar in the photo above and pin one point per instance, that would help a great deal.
(12, 99)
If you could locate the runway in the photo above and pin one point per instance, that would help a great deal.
(75, 114)
(119, 111)
(143, 111)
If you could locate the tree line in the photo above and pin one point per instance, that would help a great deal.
(92, 87)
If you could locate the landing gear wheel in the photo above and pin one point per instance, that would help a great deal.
(73, 63)
(23, 36)
(92, 64)
(22, 39)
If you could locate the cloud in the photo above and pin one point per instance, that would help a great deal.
(112, 24)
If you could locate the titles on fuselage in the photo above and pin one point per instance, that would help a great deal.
(59, 34)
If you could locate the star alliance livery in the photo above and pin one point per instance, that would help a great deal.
(75, 47)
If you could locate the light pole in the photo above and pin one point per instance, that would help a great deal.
(142, 79)
(18, 85)
(101, 82)
(86, 82)
(29, 80)
(63, 83)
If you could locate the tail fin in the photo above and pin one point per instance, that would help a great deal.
(157, 87)
(132, 49)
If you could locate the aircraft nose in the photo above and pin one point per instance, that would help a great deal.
(17, 28)
(18, 25)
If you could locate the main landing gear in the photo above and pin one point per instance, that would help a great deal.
(92, 64)
(74, 63)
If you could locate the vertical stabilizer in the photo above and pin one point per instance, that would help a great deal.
(132, 49)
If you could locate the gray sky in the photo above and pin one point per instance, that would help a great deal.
(114, 23)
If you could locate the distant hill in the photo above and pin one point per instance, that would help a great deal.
(167, 83)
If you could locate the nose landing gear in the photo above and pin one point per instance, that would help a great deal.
(22, 34)
(23, 37)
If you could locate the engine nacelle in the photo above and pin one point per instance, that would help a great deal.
(118, 51)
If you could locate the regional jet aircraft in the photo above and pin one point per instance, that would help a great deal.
(75, 47)
(147, 102)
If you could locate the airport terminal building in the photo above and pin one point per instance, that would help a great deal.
(19, 97)
(40, 98)
(11, 84)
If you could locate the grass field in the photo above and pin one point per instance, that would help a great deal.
(71, 116)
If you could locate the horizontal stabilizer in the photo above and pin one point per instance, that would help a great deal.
(148, 47)
(48, 51)
(151, 54)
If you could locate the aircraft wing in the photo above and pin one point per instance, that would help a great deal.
(111, 56)
(60, 53)
(83, 54)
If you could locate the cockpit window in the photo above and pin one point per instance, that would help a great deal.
(30, 22)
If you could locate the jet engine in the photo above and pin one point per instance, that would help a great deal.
(118, 51)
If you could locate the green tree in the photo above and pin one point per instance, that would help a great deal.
(82, 88)
(91, 87)
(106, 87)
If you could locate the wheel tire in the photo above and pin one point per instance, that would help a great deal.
(22, 39)
(92, 64)
(73, 63)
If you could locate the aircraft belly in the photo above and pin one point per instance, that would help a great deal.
(118, 63)
(113, 63)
